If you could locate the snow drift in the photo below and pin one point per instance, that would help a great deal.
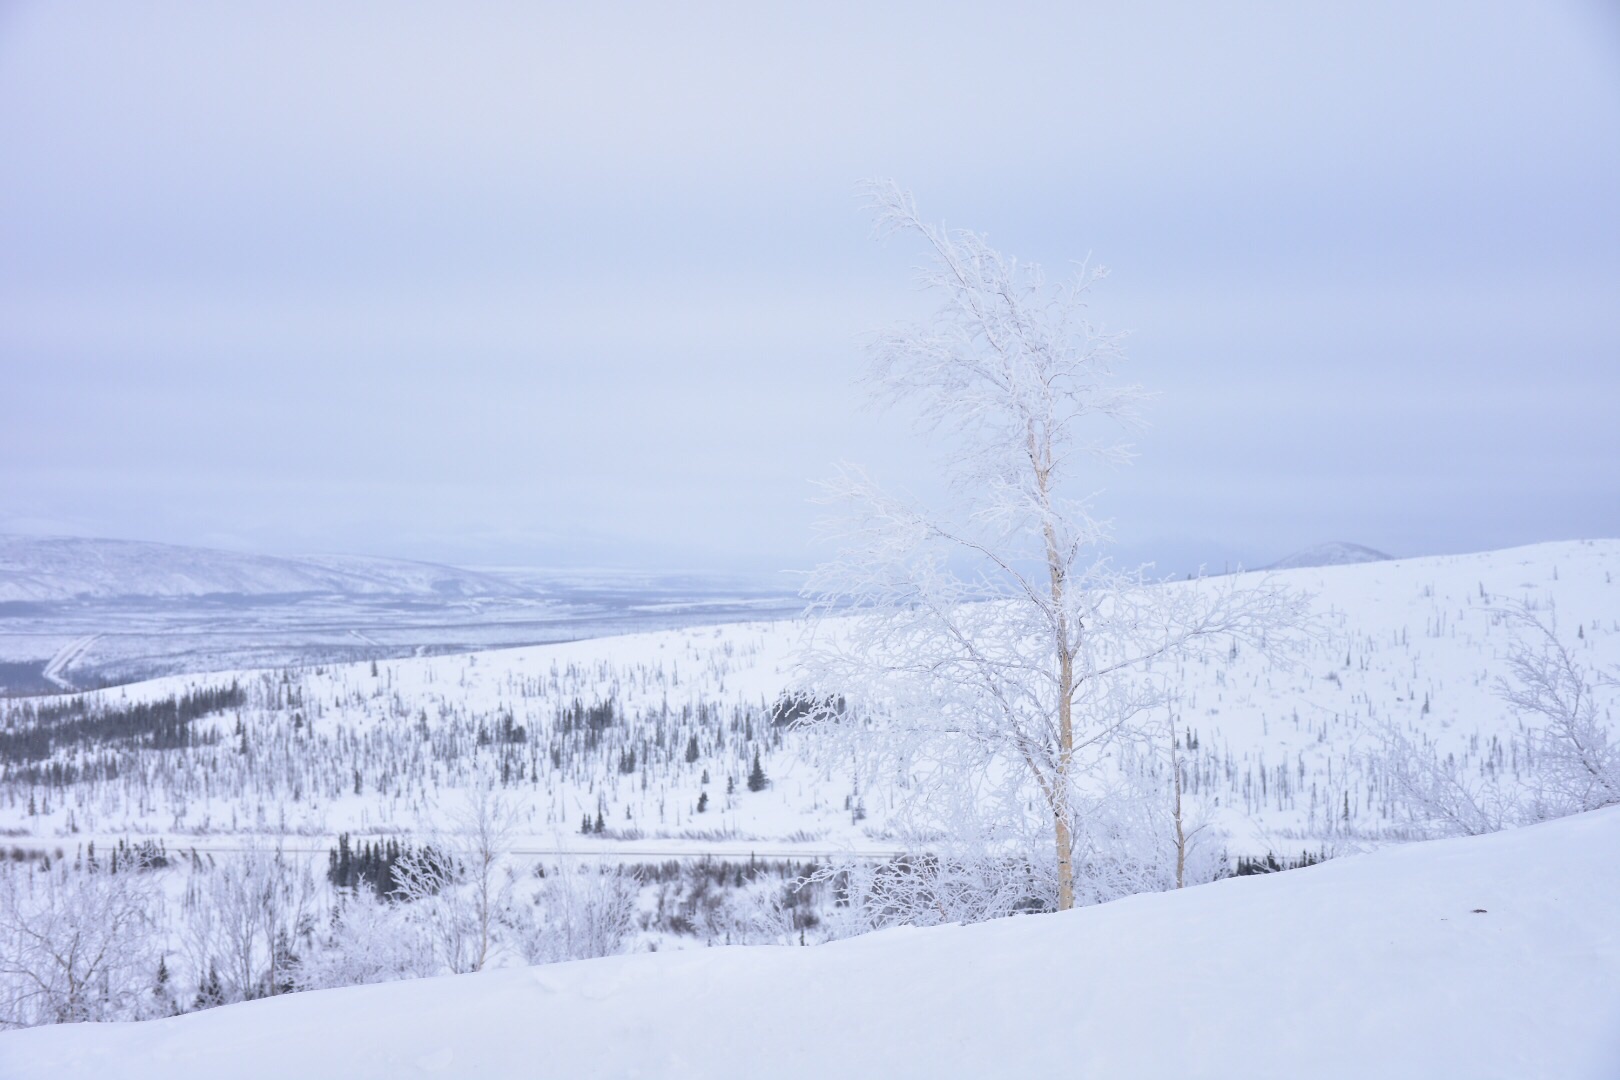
(1493, 956)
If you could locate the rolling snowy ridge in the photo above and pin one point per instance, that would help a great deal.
(1280, 761)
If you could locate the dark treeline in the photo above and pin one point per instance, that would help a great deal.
(34, 732)
(591, 719)
(143, 855)
(723, 872)
(508, 730)
(371, 865)
(1271, 864)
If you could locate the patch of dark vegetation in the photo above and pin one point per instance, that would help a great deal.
(125, 857)
(1270, 863)
(18, 854)
(507, 731)
(372, 865)
(691, 895)
(792, 708)
(592, 720)
(33, 733)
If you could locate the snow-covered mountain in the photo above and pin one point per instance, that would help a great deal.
(1332, 553)
(1492, 956)
(67, 568)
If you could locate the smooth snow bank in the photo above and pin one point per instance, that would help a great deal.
(1374, 966)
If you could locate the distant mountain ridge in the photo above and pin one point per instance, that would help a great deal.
(43, 569)
(1332, 553)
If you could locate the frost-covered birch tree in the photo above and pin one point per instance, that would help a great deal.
(454, 882)
(996, 648)
(1569, 711)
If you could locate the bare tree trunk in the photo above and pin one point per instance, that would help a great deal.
(1065, 855)
(1181, 835)
(483, 922)
(1060, 782)
(1040, 456)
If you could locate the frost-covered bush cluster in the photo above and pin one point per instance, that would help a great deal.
(141, 934)
(81, 941)
(1563, 759)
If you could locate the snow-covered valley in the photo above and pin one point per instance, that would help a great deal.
(78, 613)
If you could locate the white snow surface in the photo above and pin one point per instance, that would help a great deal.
(1371, 966)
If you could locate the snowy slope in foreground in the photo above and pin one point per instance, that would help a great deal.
(1374, 966)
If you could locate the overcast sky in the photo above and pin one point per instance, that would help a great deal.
(587, 284)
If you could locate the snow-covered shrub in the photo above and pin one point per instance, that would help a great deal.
(368, 940)
(77, 942)
(1565, 758)
(246, 919)
(580, 911)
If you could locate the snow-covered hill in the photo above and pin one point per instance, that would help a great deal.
(1278, 757)
(1332, 553)
(66, 568)
(1487, 957)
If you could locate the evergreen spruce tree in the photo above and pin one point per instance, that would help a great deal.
(703, 802)
(210, 991)
(756, 776)
(161, 991)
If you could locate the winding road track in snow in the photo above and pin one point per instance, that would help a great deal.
(65, 658)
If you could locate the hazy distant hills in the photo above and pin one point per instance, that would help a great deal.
(77, 612)
(54, 569)
(1333, 553)
(44, 569)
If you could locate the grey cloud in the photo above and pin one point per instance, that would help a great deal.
(509, 284)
